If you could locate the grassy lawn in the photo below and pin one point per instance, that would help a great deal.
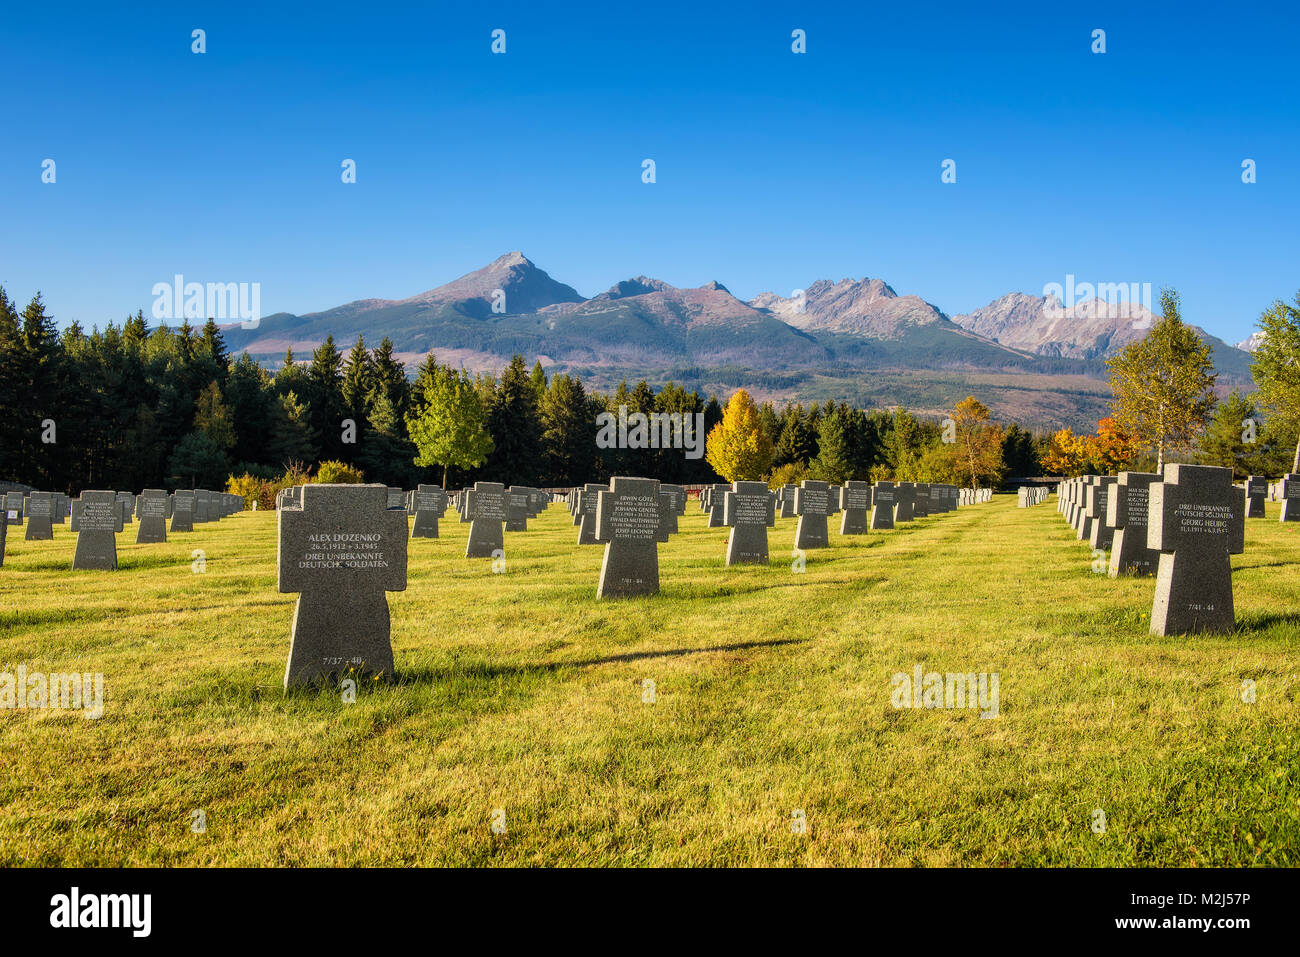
(521, 692)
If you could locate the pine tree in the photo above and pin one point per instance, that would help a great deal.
(1230, 439)
(568, 433)
(516, 456)
(324, 396)
(833, 463)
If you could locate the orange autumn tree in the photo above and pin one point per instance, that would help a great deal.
(1112, 448)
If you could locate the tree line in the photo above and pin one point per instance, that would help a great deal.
(135, 406)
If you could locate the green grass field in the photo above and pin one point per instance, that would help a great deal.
(522, 692)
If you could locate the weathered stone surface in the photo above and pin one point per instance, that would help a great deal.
(486, 509)
(40, 517)
(341, 549)
(627, 520)
(1126, 513)
(429, 501)
(153, 517)
(856, 500)
(1195, 519)
(812, 504)
(749, 509)
(99, 521)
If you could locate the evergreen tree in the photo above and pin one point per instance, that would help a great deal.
(1230, 440)
(516, 456)
(568, 433)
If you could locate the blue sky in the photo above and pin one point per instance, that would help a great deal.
(774, 169)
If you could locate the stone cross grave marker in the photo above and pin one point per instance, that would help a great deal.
(1290, 489)
(627, 521)
(667, 513)
(153, 517)
(882, 515)
(183, 511)
(1256, 492)
(1195, 519)
(13, 508)
(588, 503)
(40, 517)
(486, 509)
(516, 509)
(857, 500)
(904, 501)
(342, 550)
(749, 510)
(787, 500)
(921, 506)
(811, 504)
(1126, 513)
(430, 502)
(100, 521)
(1101, 532)
(717, 505)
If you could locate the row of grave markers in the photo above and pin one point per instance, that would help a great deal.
(96, 517)
(1030, 495)
(343, 547)
(1181, 525)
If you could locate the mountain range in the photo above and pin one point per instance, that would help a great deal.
(1030, 359)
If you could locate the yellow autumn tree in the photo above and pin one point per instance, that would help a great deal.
(975, 451)
(739, 448)
(1067, 453)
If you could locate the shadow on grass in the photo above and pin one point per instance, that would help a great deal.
(492, 671)
(1250, 623)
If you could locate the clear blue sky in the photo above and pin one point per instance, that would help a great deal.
(774, 169)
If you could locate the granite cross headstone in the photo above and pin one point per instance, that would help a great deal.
(342, 550)
(100, 520)
(627, 520)
(1195, 519)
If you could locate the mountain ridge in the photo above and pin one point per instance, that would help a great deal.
(847, 335)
